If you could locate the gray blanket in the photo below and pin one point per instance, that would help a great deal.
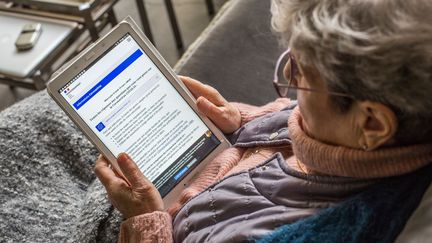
(48, 189)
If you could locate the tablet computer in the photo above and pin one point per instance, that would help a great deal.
(125, 98)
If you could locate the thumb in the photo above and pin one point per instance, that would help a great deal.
(131, 171)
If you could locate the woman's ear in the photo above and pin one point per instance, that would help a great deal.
(377, 123)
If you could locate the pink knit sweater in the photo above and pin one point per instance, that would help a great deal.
(315, 157)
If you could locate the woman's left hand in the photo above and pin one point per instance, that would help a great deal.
(133, 197)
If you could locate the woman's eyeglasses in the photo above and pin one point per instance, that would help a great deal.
(283, 83)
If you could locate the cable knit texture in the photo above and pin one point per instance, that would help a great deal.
(151, 227)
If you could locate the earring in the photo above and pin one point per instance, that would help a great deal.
(365, 147)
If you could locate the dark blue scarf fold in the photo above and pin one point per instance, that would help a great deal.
(377, 214)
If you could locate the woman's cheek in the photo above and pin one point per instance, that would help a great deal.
(308, 114)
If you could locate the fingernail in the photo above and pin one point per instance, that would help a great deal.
(123, 157)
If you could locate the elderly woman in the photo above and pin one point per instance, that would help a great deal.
(348, 161)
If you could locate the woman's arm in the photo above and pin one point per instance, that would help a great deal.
(228, 116)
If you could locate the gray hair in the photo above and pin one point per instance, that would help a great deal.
(377, 50)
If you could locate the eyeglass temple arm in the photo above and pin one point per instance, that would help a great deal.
(275, 76)
(316, 90)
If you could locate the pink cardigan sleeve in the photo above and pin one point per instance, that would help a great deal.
(250, 112)
(157, 226)
(149, 227)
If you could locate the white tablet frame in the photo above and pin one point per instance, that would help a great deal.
(71, 69)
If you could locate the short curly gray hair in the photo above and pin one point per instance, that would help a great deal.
(377, 50)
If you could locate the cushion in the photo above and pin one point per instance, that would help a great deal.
(237, 53)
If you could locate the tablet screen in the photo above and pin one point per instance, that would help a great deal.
(130, 105)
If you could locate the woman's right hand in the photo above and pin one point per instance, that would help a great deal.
(211, 103)
(132, 195)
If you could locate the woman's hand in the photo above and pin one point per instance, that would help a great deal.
(211, 103)
(133, 197)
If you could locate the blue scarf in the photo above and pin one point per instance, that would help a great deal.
(377, 214)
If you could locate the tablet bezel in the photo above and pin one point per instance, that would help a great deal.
(68, 71)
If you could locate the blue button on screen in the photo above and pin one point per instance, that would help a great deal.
(180, 173)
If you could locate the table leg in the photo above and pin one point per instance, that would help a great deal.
(174, 24)
(112, 18)
(210, 7)
(90, 25)
(144, 19)
(39, 82)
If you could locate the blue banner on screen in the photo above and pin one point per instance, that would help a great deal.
(107, 79)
